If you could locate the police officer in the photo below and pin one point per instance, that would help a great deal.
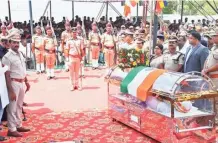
(76, 52)
(50, 44)
(211, 65)
(173, 60)
(108, 46)
(65, 36)
(4, 30)
(37, 48)
(16, 80)
(95, 41)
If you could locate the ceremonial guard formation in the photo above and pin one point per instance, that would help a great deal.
(190, 48)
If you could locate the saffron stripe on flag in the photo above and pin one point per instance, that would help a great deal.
(143, 90)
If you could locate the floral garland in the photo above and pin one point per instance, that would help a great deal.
(131, 58)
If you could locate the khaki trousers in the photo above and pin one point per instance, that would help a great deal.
(74, 68)
(109, 57)
(14, 109)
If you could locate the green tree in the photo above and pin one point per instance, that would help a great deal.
(170, 8)
(191, 7)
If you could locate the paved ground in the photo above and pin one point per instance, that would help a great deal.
(56, 94)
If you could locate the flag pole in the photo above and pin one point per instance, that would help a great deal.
(9, 10)
(151, 23)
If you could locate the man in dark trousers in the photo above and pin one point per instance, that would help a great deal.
(195, 58)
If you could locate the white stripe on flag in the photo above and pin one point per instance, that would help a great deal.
(137, 81)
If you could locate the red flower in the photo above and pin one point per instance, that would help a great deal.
(124, 60)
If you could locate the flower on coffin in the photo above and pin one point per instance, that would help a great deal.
(137, 50)
(138, 61)
(134, 63)
(124, 60)
(184, 83)
(131, 59)
(129, 55)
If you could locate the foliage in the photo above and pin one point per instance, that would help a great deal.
(175, 7)
(171, 8)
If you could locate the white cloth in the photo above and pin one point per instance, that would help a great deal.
(26, 50)
(3, 88)
(184, 48)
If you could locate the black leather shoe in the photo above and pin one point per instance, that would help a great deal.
(2, 138)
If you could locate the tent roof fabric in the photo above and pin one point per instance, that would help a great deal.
(97, 1)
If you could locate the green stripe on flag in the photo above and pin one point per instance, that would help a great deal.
(131, 75)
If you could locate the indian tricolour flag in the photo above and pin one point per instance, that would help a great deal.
(139, 81)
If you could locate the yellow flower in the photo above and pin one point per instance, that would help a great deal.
(134, 63)
(138, 50)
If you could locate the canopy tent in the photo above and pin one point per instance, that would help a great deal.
(97, 1)
(107, 3)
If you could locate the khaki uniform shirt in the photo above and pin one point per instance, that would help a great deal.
(65, 36)
(212, 60)
(16, 64)
(75, 47)
(38, 42)
(156, 61)
(94, 37)
(108, 40)
(172, 61)
(50, 43)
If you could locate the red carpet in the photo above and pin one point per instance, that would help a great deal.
(89, 127)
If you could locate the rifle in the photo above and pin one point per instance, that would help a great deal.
(85, 38)
(55, 38)
(115, 47)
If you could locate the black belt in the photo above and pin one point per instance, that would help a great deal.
(50, 51)
(109, 48)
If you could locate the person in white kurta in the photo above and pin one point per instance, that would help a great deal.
(3, 93)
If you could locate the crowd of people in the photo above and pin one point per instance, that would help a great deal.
(180, 47)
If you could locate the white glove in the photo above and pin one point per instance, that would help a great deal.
(82, 62)
(3, 70)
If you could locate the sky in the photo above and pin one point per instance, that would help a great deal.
(60, 8)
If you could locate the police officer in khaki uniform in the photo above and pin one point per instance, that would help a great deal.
(173, 60)
(75, 46)
(37, 48)
(16, 83)
(3, 30)
(95, 41)
(50, 43)
(65, 36)
(108, 46)
(211, 66)
(156, 60)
